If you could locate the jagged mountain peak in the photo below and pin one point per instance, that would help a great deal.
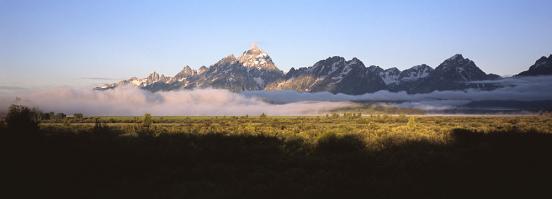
(354, 60)
(329, 61)
(542, 66)
(374, 68)
(334, 74)
(202, 69)
(457, 60)
(390, 75)
(456, 57)
(393, 69)
(415, 73)
(187, 69)
(292, 69)
(542, 61)
(458, 68)
(254, 49)
(186, 72)
(331, 65)
(153, 75)
(255, 57)
(336, 62)
(421, 66)
(228, 59)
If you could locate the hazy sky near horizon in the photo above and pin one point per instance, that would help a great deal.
(82, 43)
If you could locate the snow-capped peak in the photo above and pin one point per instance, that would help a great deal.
(257, 58)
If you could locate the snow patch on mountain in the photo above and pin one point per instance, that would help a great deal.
(390, 76)
(415, 73)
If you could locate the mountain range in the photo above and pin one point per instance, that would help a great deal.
(255, 70)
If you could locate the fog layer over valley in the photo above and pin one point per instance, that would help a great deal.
(134, 101)
(522, 89)
(125, 101)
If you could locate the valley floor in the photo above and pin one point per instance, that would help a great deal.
(330, 156)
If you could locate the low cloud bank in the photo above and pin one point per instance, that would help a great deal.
(523, 89)
(134, 101)
(518, 89)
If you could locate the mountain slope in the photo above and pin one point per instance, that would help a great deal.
(337, 75)
(542, 66)
(415, 73)
(455, 73)
(253, 70)
(334, 74)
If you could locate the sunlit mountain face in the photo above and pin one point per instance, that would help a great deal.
(252, 70)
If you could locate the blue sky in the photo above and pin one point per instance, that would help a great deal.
(82, 43)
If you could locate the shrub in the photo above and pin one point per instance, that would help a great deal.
(411, 122)
(47, 116)
(23, 118)
(101, 129)
(67, 122)
(147, 121)
(78, 115)
(60, 116)
(98, 124)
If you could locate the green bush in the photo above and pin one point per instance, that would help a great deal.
(147, 121)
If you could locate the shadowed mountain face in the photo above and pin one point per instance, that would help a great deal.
(452, 74)
(543, 66)
(458, 68)
(255, 70)
(335, 75)
(351, 77)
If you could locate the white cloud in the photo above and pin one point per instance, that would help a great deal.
(519, 89)
(133, 101)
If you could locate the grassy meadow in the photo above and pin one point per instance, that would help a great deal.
(330, 156)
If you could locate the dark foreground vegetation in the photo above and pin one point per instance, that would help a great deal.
(280, 157)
